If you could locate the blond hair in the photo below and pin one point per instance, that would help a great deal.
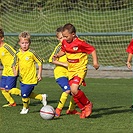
(25, 35)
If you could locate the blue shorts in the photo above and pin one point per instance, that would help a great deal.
(8, 82)
(26, 89)
(63, 83)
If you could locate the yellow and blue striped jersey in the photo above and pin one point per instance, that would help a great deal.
(59, 71)
(6, 57)
(26, 62)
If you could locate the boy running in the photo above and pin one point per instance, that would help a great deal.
(77, 51)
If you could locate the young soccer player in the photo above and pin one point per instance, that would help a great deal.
(24, 63)
(77, 51)
(130, 53)
(8, 79)
(61, 77)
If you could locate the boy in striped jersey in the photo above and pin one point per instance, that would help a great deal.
(25, 63)
(8, 79)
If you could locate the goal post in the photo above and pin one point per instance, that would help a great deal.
(105, 24)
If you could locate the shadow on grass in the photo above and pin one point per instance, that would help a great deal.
(109, 111)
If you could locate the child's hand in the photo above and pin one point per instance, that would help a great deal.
(96, 66)
(128, 65)
(54, 58)
(39, 78)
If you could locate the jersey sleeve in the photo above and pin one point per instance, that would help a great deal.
(86, 47)
(37, 58)
(56, 50)
(10, 49)
(130, 47)
(15, 62)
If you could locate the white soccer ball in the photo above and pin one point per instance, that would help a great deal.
(47, 112)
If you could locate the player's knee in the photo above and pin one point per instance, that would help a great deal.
(67, 91)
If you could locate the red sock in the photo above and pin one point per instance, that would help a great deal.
(80, 99)
(81, 106)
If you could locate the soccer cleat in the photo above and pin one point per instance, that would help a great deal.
(83, 115)
(88, 109)
(57, 112)
(74, 112)
(44, 99)
(10, 105)
(24, 111)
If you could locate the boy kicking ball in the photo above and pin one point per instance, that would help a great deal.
(76, 51)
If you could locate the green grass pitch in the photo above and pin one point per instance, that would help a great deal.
(112, 99)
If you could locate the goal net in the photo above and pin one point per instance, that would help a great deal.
(105, 24)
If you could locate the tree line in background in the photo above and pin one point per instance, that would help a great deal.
(66, 5)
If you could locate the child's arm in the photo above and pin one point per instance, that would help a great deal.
(15, 67)
(128, 60)
(15, 71)
(39, 75)
(59, 54)
(95, 60)
(54, 59)
(56, 62)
